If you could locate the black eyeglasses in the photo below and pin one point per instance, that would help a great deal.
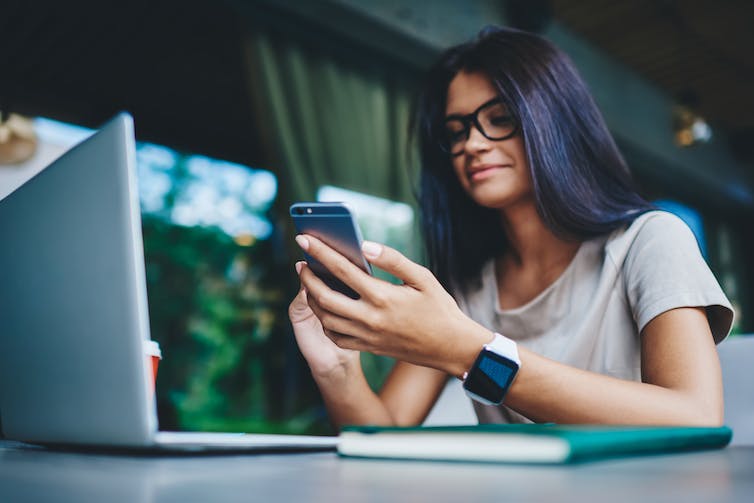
(492, 119)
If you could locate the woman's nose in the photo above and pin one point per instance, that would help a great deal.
(476, 141)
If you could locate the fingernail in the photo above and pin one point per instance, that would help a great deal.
(371, 249)
(299, 266)
(302, 242)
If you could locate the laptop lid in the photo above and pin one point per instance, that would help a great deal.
(73, 304)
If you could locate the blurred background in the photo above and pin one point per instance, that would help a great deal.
(243, 107)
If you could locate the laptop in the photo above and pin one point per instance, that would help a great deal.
(73, 311)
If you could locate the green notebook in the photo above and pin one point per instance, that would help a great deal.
(525, 443)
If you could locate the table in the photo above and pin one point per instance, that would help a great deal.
(35, 474)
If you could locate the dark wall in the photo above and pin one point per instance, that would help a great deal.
(176, 65)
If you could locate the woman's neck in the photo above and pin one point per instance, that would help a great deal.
(532, 244)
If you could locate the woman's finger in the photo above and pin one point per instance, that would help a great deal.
(344, 341)
(333, 322)
(329, 299)
(338, 265)
(298, 310)
(392, 261)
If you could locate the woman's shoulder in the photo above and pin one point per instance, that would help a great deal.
(655, 222)
(662, 266)
(655, 229)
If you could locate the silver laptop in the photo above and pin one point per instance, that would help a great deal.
(73, 310)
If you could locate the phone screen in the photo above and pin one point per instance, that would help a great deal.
(335, 225)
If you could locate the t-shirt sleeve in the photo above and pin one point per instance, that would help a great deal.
(664, 270)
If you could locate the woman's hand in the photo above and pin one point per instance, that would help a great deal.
(325, 359)
(417, 322)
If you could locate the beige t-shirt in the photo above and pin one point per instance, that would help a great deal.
(592, 315)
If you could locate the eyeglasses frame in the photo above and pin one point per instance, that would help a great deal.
(473, 118)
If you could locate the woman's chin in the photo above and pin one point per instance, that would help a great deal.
(490, 196)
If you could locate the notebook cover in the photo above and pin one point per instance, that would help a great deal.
(585, 442)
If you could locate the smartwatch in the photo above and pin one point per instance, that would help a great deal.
(489, 378)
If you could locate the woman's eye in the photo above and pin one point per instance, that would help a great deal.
(501, 120)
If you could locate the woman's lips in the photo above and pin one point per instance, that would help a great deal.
(478, 173)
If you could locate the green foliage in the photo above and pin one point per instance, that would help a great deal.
(218, 311)
(218, 308)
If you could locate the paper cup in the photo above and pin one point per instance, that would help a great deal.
(154, 355)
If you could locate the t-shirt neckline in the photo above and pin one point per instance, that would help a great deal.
(541, 295)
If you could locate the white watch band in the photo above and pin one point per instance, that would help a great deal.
(505, 347)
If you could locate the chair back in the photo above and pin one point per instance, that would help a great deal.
(737, 361)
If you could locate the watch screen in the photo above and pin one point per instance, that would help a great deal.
(492, 376)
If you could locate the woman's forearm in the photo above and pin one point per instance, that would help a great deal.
(548, 391)
(350, 400)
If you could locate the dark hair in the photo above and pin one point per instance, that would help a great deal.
(582, 185)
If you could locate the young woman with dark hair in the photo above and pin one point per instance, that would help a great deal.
(573, 300)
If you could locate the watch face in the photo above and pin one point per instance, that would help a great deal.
(491, 376)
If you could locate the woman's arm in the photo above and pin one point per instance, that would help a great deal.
(410, 392)
(406, 397)
(681, 376)
(418, 322)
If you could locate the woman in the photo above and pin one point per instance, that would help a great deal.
(557, 266)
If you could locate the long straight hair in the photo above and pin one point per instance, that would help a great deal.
(582, 185)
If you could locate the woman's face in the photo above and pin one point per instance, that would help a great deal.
(494, 173)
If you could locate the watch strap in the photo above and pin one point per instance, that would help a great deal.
(504, 346)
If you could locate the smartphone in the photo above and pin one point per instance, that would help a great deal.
(334, 224)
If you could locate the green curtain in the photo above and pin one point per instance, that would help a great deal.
(330, 119)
